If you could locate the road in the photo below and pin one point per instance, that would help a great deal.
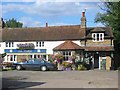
(60, 79)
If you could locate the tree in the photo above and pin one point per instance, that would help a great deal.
(2, 55)
(12, 23)
(111, 17)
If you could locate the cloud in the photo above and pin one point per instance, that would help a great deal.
(42, 8)
(99, 25)
(45, 9)
(29, 22)
(17, 0)
(59, 24)
(0, 10)
(59, 0)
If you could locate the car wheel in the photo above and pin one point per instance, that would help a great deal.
(18, 67)
(43, 68)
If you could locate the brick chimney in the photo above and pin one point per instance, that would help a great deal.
(83, 20)
(2, 24)
(46, 24)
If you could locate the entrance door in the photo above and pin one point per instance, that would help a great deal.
(103, 64)
(96, 61)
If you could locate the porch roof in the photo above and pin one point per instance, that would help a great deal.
(68, 45)
(99, 48)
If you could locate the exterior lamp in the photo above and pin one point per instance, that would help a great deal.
(86, 54)
(112, 54)
(96, 52)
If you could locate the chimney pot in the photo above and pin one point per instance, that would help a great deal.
(83, 13)
(46, 24)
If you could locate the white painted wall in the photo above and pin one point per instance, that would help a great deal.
(1, 47)
(48, 45)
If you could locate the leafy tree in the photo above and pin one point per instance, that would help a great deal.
(12, 23)
(2, 55)
(111, 17)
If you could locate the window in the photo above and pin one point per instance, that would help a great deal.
(14, 57)
(36, 44)
(9, 44)
(103, 54)
(39, 44)
(12, 44)
(43, 44)
(97, 37)
(11, 58)
(66, 54)
(6, 44)
(34, 56)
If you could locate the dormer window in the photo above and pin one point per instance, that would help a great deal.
(97, 37)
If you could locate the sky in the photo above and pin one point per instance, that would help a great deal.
(35, 13)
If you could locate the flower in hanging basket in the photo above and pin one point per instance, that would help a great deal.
(59, 57)
(73, 57)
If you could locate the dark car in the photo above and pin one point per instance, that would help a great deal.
(35, 64)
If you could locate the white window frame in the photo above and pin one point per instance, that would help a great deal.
(94, 37)
(40, 44)
(67, 55)
(9, 44)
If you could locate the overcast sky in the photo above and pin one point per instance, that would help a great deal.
(35, 13)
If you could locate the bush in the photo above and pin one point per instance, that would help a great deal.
(7, 64)
(81, 67)
(8, 69)
(66, 64)
(119, 68)
(87, 66)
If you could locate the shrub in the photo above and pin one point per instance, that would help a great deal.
(119, 68)
(81, 67)
(87, 66)
(66, 64)
(7, 64)
(59, 58)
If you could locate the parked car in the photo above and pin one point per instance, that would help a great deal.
(34, 64)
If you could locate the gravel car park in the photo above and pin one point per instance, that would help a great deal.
(60, 79)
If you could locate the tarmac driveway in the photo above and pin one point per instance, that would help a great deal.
(59, 79)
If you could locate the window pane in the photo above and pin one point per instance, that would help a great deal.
(93, 36)
(11, 58)
(34, 56)
(37, 62)
(14, 57)
(36, 44)
(69, 53)
(43, 44)
(40, 44)
(101, 37)
(63, 53)
(12, 44)
(6, 44)
(97, 37)
(9, 44)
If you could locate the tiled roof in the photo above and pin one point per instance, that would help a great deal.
(68, 45)
(98, 29)
(106, 30)
(53, 33)
(99, 48)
